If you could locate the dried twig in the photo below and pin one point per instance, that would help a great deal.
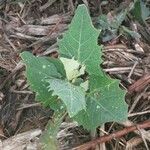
(17, 68)
(137, 99)
(140, 84)
(24, 106)
(20, 141)
(146, 133)
(46, 38)
(46, 5)
(132, 70)
(109, 137)
(144, 140)
(132, 143)
(139, 113)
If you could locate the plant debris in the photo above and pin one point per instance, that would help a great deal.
(35, 26)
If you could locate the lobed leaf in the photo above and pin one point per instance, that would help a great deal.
(80, 41)
(105, 103)
(100, 99)
(38, 69)
(73, 96)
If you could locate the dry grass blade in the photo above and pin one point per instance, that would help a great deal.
(139, 113)
(140, 84)
(132, 143)
(46, 5)
(143, 138)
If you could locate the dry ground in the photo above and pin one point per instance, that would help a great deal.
(35, 26)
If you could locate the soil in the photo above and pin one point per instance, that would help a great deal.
(35, 26)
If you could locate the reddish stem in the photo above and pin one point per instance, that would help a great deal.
(109, 137)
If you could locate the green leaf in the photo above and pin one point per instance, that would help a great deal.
(130, 32)
(73, 68)
(48, 138)
(140, 11)
(80, 41)
(38, 69)
(105, 103)
(118, 19)
(103, 22)
(145, 10)
(110, 26)
(92, 98)
(85, 85)
(73, 96)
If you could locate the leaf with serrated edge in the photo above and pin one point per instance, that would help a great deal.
(80, 41)
(73, 96)
(38, 69)
(105, 103)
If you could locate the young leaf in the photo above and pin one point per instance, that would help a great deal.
(104, 103)
(80, 41)
(140, 11)
(38, 69)
(111, 25)
(145, 10)
(118, 19)
(73, 96)
(103, 96)
(73, 68)
(130, 32)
